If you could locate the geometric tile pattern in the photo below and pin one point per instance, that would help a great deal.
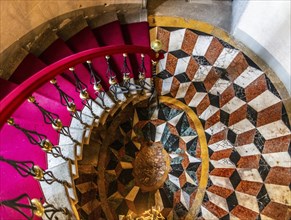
(176, 132)
(245, 121)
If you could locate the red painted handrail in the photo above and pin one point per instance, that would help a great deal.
(12, 101)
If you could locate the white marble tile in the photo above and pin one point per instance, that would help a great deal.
(242, 126)
(225, 58)
(223, 163)
(159, 131)
(211, 110)
(193, 159)
(176, 39)
(221, 145)
(247, 174)
(274, 130)
(166, 86)
(182, 65)
(247, 201)
(264, 100)
(248, 76)
(174, 180)
(233, 105)
(207, 215)
(218, 127)
(185, 199)
(162, 63)
(201, 73)
(219, 86)
(221, 181)
(280, 159)
(202, 45)
(264, 217)
(217, 200)
(247, 150)
(183, 88)
(197, 98)
(189, 179)
(176, 119)
(279, 194)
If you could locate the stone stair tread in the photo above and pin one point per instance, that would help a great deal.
(63, 172)
(75, 123)
(57, 195)
(133, 15)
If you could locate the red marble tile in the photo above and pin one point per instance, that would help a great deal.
(226, 96)
(222, 192)
(214, 209)
(190, 93)
(177, 196)
(222, 172)
(171, 63)
(237, 66)
(218, 137)
(198, 172)
(244, 213)
(277, 211)
(164, 36)
(245, 138)
(279, 144)
(269, 115)
(182, 179)
(175, 87)
(210, 79)
(159, 85)
(279, 176)
(238, 115)
(257, 87)
(205, 102)
(189, 41)
(249, 187)
(217, 155)
(214, 50)
(192, 68)
(212, 120)
(249, 162)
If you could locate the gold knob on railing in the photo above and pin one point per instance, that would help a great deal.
(84, 95)
(107, 57)
(31, 99)
(156, 45)
(89, 61)
(72, 69)
(53, 81)
(10, 121)
(71, 107)
(97, 87)
(112, 81)
(47, 145)
(39, 209)
(38, 172)
(57, 125)
(124, 55)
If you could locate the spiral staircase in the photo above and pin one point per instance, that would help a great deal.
(68, 151)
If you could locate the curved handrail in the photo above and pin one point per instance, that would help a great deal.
(12, 101)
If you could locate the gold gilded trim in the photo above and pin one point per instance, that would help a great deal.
(193, 211)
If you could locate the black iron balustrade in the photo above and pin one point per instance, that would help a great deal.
(28, 168)
(129, 86)
(114, 87)
(53, 119)
(95, 80)
(68, 101)
(41, 140)
(141, 75)
(35, 207)
(87, 100)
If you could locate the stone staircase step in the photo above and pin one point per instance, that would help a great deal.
(133, 15)
(63, 172)
(102, 19)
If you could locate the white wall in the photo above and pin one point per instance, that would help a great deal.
(264, 26)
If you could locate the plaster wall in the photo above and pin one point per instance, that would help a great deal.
(264, 26)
